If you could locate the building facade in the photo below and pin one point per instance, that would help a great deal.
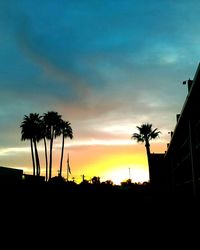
(182, 158)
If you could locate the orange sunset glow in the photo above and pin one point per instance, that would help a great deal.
(106, 68)
(114, 162)
(109, 162)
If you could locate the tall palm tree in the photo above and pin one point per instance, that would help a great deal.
(30, 130)
(52, 120)
(146, 133)
(66, 131)
(44, 133)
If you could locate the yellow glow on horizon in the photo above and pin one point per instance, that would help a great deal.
(117, 167)
(109, 162)
(136, 173)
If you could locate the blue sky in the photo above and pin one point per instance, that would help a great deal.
(105, 65)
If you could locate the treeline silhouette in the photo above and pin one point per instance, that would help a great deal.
(57, 190)
(93, 204)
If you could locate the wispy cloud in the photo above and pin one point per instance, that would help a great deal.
(11, 151)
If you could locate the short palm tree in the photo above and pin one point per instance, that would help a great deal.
(146, 133)
(66, 132)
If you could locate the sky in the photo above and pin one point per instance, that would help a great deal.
(106, 66)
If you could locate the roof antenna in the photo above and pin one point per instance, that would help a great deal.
(189, 83)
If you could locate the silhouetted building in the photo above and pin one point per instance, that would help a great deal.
(182, 157)
(157, 170)
(10, 175)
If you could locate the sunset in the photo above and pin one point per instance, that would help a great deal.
(99, 123)
(106, 67)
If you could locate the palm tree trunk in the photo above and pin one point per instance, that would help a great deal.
(37, 159)
(46, 159)
(33, 158)
(50, 154)
(62, 152)
(147, 145)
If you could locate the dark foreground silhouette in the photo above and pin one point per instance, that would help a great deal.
(69, 196)
(60, 212)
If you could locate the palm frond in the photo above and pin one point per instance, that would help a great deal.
(154, 134)
(137, 137)
(145, 133)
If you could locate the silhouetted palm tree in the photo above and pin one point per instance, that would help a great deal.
(44, 132)
(52, 120)
(145, 135)
(66, 131)
(30, 130)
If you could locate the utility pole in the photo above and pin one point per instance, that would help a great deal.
(129, 170)
(83, 178)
